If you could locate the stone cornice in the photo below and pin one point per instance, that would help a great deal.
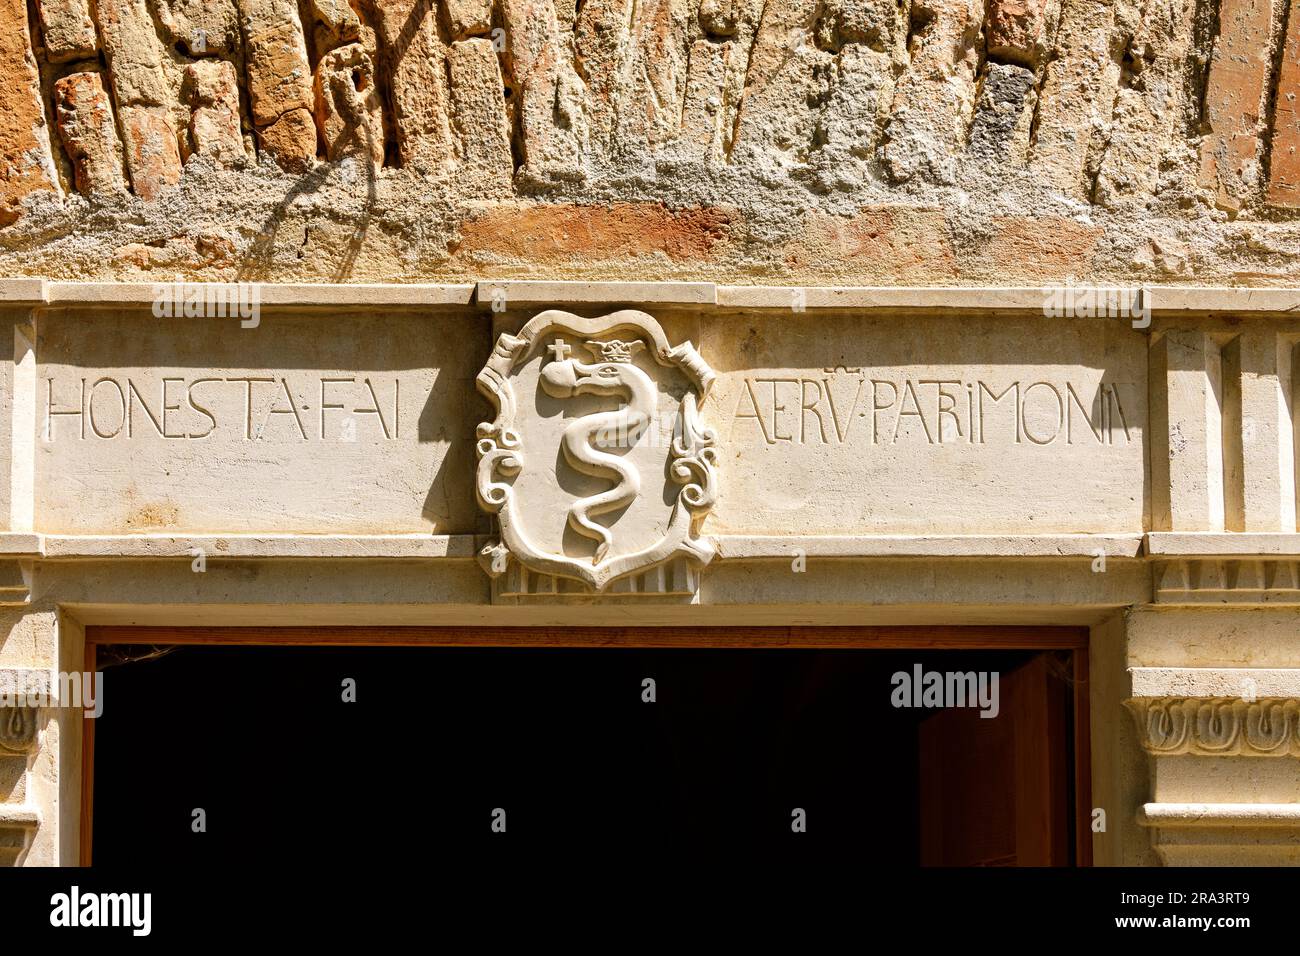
(1241, 577)
(936, 545)
(1166, 301)
(736, 547)
(1225, 544)
(1207, 815)
(1238, 552)
(18, 816)
(249, 546)
(1218, 727)
(270, 295)
(1237, 580)
(1244, 683)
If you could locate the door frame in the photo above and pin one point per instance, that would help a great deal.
(903, 637)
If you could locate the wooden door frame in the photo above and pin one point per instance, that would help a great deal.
(909, 637)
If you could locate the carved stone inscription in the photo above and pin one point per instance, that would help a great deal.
(879, 425)
(838, 406)
(344, 424)
(179, 407)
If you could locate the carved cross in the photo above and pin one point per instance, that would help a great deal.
(560, 349)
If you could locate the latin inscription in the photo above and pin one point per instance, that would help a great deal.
(247, 407)
(835, 409)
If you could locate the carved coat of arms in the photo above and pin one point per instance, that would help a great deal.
(597, 464)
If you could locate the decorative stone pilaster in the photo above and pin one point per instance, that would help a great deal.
(1225, 769)
(20, 727)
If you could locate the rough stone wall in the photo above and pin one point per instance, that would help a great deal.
(811, 141)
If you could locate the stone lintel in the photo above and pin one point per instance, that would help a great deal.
(1166, 301)
(1226, 682)
(270, 295)
(540, 294)
(1190, 544)
(94, 547)
(18, 816)
(926, 546)
(22, 291)
(21, 544)
(1220, 814)
(737, 547)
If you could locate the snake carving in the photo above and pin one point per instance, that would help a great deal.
(612, 374)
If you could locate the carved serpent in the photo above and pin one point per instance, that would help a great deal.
(616, 375)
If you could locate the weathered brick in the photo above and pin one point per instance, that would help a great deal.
(702, 134)
(291, 141)
(480, 109)
(1004, 113)
(935, 97)
(1284, 155)
(85, 119)
(134, 52)
(877, 24)
(468, 18)
(1049, 247)
(776, 114)
(1078, 90)
(1236, 97)
(334, 23)
(201, 27)
(1150, 103)
(153, 156)
(903, 244)
(279, 77)
(600, 42)
(853, 118)
(552, 97)
(561, 233)
(26, 165)
(1020, 31)
(411, 48)
(68, 30)
(659, 53)
(348, 111)
(719, 18)
(212, 91)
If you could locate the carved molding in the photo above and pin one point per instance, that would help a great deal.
(1218, 727)
(1223, 834)
(676, 581)
(1227, 581)
(21, 691)
(536, 462)
(19, 729)
(15, 582)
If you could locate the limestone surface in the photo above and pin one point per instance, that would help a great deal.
(927, 142)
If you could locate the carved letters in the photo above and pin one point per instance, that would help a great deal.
(179, 407)
(837, 408)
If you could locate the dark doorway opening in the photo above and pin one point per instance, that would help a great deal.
(734, 745)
